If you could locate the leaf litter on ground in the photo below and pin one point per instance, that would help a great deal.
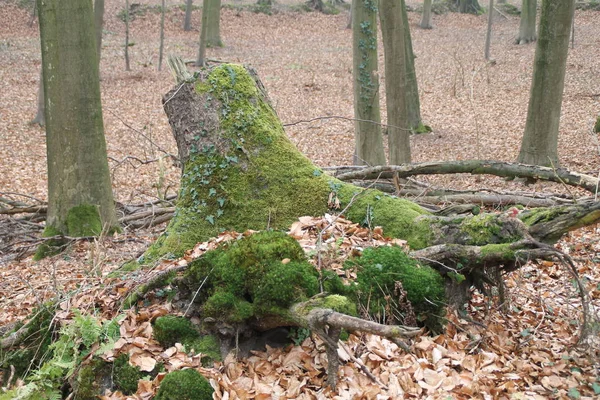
(477, 111)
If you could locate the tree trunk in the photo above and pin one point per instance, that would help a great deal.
(213, 21)
(127, 66)
(187, 23)
(468, 6)
(99, 25)
(540, 140)
(393, 34)
(367, 129)
(488, 33)
(201, 58)
(162, 36)
(527, 32)
(40, 118)
(80, 201)
(426, 17)
(413, 103)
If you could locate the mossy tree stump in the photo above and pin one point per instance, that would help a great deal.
(241, 172)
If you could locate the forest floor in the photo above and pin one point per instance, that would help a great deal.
(477, 111)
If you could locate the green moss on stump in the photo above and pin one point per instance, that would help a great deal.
(259, 275)
(539, 215)
(242, 172)
(379, 268)
(224, 186)
(92, 379)
(187, 384)
(398, 217)
(481, 229)
(84, 220)
(503, 251)
(126, 376)
(171, 329)
(208, 346)
(335, 302)
(34, 348)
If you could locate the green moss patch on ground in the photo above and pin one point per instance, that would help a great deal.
(256, 276)
(378, 270)
(185, 384)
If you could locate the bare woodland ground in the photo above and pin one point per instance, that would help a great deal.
(304, 59)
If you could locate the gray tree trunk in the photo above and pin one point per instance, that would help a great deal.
(413, 103)
(162, 36)
(393, 34)
(527, 32)
(187, 23)
(426, 17)
(40, 118)
(213, 33)
(488, 33)
(80, 200)
(367, 129)
(201, 58)
(127, 66)
(99, 24)
(540, 140)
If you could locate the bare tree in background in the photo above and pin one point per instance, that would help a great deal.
(527, 32)
(162, 36)
(426, 17)
(392, 32)
(488, 33)
(367, 127)
(80, 199)
(187, 23)
(127, 66)
(540, 140)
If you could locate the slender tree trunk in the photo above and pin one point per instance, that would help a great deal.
(393, 34)
(527, 32)
(200, 60)
(213, 33)
(368, 139)
(349, 24)
(40, 118)
(426, 17)
(413, 103)
(187, 23)
(540, 140)
(127, 66)
(162, 36)
(99, 24)
(488, 34)
(80, 201)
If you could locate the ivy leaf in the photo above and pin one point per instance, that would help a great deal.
(574, 393)
(210, 219)
(221, 201)
(317, 172)
(219, 212)
(526, 332)
(212, 192)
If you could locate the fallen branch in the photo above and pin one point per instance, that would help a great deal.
(476, 167)
(328, 324)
